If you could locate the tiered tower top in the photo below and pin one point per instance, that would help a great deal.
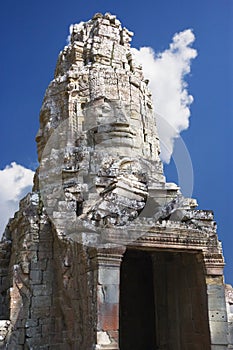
(101, 90)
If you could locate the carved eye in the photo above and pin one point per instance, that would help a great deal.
(106, 109)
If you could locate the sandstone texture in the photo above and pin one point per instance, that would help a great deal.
(104, 245)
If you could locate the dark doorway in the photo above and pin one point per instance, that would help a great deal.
(137, 309)
(163, 301)
(181, 301)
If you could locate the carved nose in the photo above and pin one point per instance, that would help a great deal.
(122, 118)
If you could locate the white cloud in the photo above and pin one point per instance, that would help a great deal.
(166, 72)
(15, 182)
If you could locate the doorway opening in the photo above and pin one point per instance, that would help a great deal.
(137, 311)
(163, 301)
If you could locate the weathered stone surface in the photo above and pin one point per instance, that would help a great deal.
(100, 193)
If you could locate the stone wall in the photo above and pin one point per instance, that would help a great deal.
(50, 295)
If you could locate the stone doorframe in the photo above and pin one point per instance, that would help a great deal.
(105, 266)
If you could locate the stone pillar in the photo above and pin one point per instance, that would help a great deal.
(229, 303)
(216, 302)
(106, 267)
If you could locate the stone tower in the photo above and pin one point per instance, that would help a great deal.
(104, 254)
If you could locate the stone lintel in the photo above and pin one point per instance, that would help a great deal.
(179, 238)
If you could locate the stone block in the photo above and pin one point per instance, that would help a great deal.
(107, 323)
(21, 336)
(45, 247)
(108, 314)
(31, 323)
(216, 297)
(217, 316)
(36, 276)
(41, 301)
(218, 332)
(12, 347)
(35, 343)
(39, 265)
(41, 290)
(46, 329)
(108, 293)
(56, 347)
(47, 277)
(109, 276)
(40, 312)
(230, 333)
(33, 332)
(103, 338)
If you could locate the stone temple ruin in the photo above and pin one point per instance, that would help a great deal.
(104, 254)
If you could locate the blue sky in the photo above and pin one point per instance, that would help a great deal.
(33, 33)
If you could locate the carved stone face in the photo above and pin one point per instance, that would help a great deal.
(108, 123)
